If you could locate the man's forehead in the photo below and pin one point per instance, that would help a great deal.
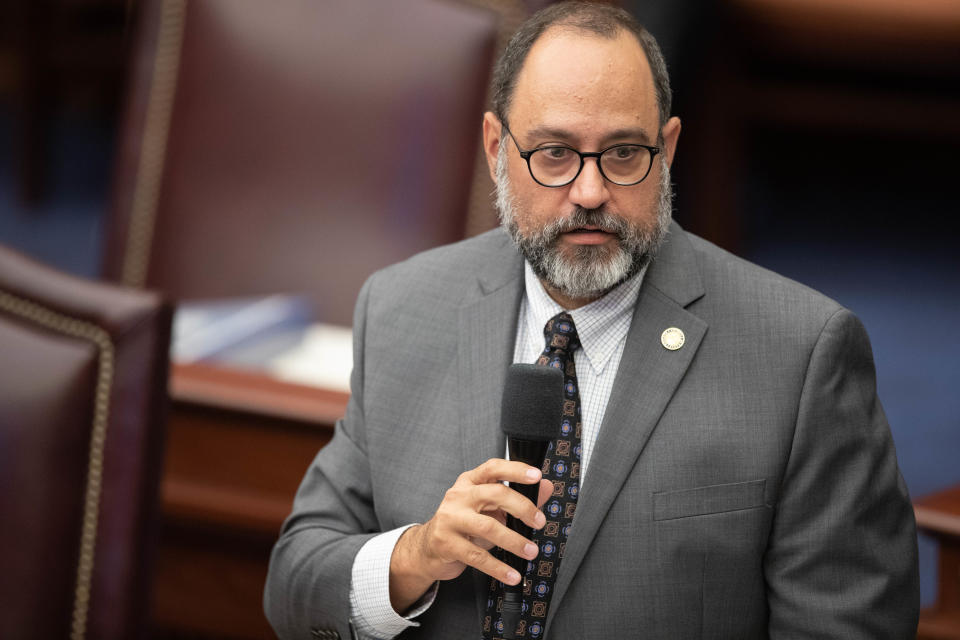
(571, 75)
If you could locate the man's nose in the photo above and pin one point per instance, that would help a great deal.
(589, 190)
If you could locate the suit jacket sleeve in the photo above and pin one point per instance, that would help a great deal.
(842, 559)
(308, 584)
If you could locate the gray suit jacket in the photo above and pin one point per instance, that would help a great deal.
(743, 486)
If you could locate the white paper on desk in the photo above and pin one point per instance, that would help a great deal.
(212, 329)
(324, 358)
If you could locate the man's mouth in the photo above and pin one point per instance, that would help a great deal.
(588, 229)
(588, 234)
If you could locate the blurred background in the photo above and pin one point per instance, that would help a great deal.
(256, 161)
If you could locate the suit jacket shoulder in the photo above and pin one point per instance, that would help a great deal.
(448, 275)
(737, 283)
(746, 300)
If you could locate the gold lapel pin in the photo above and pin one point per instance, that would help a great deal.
(672, 338)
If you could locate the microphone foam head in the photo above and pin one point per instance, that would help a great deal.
(532, 402)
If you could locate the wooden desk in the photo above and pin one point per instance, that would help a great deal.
(938, 515)
(238, 444)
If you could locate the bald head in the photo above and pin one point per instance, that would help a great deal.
(597, 20)
(571, 80)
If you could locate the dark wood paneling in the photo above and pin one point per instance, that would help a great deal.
(938, 515)
(238, 445)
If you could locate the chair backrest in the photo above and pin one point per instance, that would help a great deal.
(295, 146)
(83, 370)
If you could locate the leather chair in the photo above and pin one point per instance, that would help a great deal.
(295, 146)
(83, 371)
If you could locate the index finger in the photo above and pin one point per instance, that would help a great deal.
(500, 470)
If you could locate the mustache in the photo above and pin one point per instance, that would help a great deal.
(581, 217)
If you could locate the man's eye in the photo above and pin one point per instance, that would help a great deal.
(556, 153)
(625, 152)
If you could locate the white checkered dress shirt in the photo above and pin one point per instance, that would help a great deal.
(602, 327)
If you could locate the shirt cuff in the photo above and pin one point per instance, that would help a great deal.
(370, 610)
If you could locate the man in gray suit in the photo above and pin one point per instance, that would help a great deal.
(731, 473)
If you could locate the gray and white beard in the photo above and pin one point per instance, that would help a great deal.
(592, 270)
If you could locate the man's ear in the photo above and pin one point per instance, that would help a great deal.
(671, 133)
(492, 135)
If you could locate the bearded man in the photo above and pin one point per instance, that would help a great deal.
(723, 468)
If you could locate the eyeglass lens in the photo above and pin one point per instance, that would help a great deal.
(623, 164)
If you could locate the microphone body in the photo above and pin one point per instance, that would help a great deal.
(531, 452)
(530, 418)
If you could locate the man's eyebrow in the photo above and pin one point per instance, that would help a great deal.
(544, 131)
(630, 133)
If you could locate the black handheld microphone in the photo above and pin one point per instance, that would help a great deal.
(530, 418)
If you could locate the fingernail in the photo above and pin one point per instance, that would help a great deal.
(530, 550)
(533, 474)
(539, 520)
(513, 576)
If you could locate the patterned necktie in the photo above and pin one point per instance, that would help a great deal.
(562, 467)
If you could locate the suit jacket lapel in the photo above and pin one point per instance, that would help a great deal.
(488, 323)
(646, 379)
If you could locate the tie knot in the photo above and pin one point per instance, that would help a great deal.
(561, 334)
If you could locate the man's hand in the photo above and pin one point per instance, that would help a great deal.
(470, 520)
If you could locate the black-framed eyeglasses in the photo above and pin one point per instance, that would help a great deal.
(558, 165)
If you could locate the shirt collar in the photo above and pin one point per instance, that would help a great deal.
(601, 325)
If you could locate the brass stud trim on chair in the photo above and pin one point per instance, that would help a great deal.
(98, 438)
(153, 145)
